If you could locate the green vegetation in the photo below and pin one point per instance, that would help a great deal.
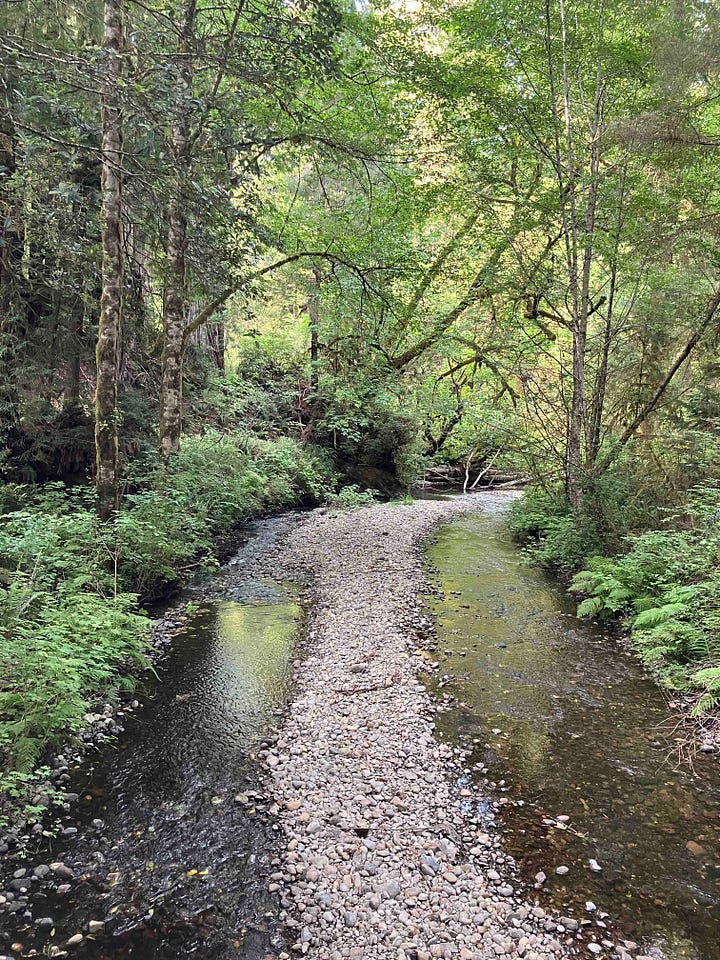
(662, 585)
(252, 252)
(666, 586)
(352, 497)
(69, 618)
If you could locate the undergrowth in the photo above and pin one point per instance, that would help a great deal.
(70, 620)
(352, 497)
(663, 585)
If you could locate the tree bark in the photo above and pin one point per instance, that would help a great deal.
(173, 334)
(478, 290)
(175, 296)
(71, 398)
(313, 308)
(110, 322)
(12, 286)
(579, 232)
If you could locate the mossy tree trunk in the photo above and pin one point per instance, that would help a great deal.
(175, 297)
(110, 322)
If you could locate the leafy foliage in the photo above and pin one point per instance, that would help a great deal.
(352, 497)
(663, 584)
(666, 588)
(215, 482)
(69, 619)
(556, 538)
(369, 428)
(57, 650)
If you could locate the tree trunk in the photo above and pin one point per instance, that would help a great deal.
(173, 334)
(577, 419)
(175, 298)
(12, 286)
(579, 232)
(110, 322)
(71, 399)
(313, 308)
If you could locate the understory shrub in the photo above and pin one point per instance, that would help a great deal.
(543, 522)
(666, 589)
(57, 648)
(352, 497)
(65, 629)
(663, 584)
(373, 429)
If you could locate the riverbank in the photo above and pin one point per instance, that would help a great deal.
(653, 580)
(71, 590)
(383, 857)
(577, 745)
(164, 844)
(362, 832)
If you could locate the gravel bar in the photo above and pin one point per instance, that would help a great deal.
(380, 859)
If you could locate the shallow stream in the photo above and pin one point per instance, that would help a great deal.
(174, 845)
(568, 726)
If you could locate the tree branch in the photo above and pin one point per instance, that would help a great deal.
(207, 312)
(657, 396)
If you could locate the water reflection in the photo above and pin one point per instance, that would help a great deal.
(178, 864)
(569, 721)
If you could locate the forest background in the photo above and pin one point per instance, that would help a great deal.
(270, 253)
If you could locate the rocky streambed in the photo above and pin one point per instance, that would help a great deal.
(163, 843)
(284, 791)
(384, 857)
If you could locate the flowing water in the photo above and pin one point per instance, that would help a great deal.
(174, 842)
(568, 726)
(174, 845)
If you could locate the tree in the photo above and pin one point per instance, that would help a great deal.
(253, 65)
(175, 295)
(111, 303)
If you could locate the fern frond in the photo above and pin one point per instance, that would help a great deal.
(654, 616)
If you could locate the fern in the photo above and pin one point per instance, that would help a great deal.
(66, 635)
(708, 677)
(666, 586)
(654, 616)
(591, 606)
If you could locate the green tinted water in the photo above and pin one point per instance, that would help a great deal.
(581, 733)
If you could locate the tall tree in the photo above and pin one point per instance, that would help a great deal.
(111, 303)
(175, 296)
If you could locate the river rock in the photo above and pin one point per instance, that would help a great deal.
(359, 745)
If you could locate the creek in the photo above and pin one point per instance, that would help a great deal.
(580, 744)
(174, 843)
